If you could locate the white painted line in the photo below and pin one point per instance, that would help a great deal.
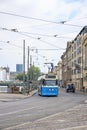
(20, 125)
(9, 113)
(49, 117)
(17, 126)
(76, 127)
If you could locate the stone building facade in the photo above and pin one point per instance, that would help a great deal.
(73, 60)
(84, 48)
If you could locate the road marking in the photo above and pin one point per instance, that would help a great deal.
(44, 118)
(9, 113)
(38, 120)
(76, 127)
(17, 126)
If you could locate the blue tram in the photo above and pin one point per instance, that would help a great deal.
(48, 85)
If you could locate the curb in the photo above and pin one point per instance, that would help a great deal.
(83, 93)
(13, 98)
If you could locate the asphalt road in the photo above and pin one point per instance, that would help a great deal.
(68, 111)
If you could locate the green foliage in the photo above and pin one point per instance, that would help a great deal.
(34, 73)
(20, 77)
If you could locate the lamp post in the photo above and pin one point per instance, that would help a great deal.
(24, 67)
(32, 56)
(29, 64)
(28, 85)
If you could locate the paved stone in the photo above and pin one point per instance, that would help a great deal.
(72, 119)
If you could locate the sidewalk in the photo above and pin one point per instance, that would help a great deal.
(6, 97)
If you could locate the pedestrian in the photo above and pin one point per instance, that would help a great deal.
(83, 89)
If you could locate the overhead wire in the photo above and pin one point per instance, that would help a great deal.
(33, 38)
(8, 42)
(39, 19)
(41, 40)
(45, 35)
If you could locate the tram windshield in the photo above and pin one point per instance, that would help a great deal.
(50, 82)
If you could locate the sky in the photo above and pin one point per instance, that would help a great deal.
(45, 25)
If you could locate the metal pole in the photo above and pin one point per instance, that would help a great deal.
(28, 60)
(28, 86)
(24, 66)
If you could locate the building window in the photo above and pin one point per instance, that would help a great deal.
(79, 50)
(85, 77)
(72, 56)
(75, 54)
(86, 55)
(72, 64)
(74, 61)
(74, 46)
(78, 41)
(74, 71)
(79, 71)
(85, 30)
(79, 60)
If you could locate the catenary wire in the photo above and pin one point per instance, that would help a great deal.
(38, 19)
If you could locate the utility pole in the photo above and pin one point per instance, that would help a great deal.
(28, 84)
(28, 60)
(24, 91)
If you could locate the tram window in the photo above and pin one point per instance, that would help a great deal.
(56, 82)
(44, 82)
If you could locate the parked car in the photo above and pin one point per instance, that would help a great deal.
(70, 88)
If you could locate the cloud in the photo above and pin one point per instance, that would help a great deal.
(71, 11)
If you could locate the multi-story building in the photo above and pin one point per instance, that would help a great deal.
(64, 69)
(13, 76)
(84, 48)
(77, 59)
(68, 62)
(73, 60)
(19, 68)
(4, 74)
(59, 73)
(66, 65)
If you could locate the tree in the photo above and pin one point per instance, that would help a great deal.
(34, 73)
(20, 77)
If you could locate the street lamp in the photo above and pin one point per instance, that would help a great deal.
(36, 51)
(29, 63)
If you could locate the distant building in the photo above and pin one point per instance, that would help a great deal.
(13, 76)
(19, 68)
(4, 74)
